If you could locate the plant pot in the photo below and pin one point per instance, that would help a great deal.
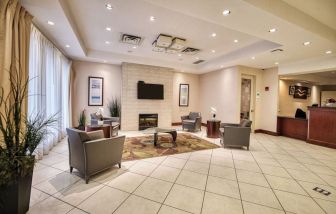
(15, 198)
(82, 128)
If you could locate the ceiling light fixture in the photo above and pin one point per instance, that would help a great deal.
(152, 18)
(226, 12)
(235, 41)
(222, 66)
(328, 52)
(105, 61)
(107, 42)
(197, 58)
(179, 55)
(51, 23)
(272, 30)
(253, 58)
(109, 6)
(306, 43)
(213, 51)
(276, 63)
(134, 47)
(213, 34)
(108, 28)
(67, 46)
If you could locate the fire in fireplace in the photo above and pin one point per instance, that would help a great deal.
(148, 121)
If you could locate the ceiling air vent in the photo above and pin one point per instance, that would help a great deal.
(130, 39)
(276, 50)
(198, 61)
(190, 51)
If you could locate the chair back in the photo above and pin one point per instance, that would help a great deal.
(76, 149)
(194, 115)
(300, 114)
(245, 123)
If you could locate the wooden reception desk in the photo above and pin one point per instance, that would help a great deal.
(292, 127)
(322, 126)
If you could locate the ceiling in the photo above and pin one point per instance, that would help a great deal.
(318, 78)
(82, 25)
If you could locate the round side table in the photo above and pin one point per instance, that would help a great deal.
(213, 128)
(106, 129)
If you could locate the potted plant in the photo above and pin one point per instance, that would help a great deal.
(114, 107)
(19, 137)
(82, 120)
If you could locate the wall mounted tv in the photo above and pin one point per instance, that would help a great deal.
(150, 91)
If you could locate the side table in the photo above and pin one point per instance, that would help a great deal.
(213, 128)
(106, 129)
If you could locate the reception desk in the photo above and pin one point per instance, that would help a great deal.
(322, 126)
(292, 127)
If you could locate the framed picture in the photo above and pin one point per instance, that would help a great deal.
(96, 91)
(300, 92)
(184, 95)
(291, 90)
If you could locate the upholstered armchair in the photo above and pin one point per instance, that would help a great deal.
(236, 135)
(107, 120)
(91, 153)
(192, 122)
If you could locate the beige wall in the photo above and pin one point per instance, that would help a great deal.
(288, 104)
(194, 93)
(81, 72)
(327, 95)
(220, 89)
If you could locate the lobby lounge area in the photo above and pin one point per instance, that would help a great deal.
(157, 107)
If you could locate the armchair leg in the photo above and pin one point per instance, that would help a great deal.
(86, 179)
(119, 165)
(71, 168)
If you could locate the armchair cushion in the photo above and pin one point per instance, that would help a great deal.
(194, 115)
(84, 136)
(189, 121)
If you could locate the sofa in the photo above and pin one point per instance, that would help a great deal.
(236, 135)
(192, 122)
(91, 153)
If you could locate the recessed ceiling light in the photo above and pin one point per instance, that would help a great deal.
(105, 61)
(51, 23)
(306, 43)
(213, 51)
(226, 12)
(109, 6)
(152, 18)
(276, 63)
(179, 54)
(134, 47)
(108, 28)
(67, 46)
(107, 42)
(213, 34)
(235, 41)
(272, 30)
(253, 58)
(328, 52)
(222, 66)
(196, 57)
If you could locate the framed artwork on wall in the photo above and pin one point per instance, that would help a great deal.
(291, 89)
(96, 91)
(184, 95)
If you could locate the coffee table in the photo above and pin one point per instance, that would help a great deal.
(155, 131)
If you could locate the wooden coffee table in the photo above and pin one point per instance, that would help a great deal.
(155, 131)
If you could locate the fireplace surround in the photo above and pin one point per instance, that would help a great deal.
(148, 121)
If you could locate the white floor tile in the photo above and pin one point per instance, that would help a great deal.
(154, 189)
(192, 179)
(214, 203)
(138, 205)
(223, 187)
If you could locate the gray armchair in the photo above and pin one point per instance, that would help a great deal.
(236, 135)
(192, 122)
(91, 153)
(107, 120)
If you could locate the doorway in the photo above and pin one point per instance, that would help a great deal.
(247, 102)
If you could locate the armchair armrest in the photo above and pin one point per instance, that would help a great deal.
(185, 117)
(229, 125)
(198, 120)
(96, 135)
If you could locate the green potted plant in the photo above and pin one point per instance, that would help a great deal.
(82, 120)
(19, 137)
(115, 108)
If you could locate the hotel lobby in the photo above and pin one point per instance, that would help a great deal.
(157, 107)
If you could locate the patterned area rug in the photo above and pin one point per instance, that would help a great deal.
(143, 147)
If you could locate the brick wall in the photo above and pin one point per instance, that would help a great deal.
(131, 106)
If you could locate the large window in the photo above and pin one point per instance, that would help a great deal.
(49, 74)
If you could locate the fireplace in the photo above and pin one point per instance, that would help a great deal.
(148, 121)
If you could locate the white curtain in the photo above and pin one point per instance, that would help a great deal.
(49, 87)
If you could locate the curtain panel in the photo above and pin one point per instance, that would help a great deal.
(49, 87)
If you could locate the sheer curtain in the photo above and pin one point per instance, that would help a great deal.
(49, 87)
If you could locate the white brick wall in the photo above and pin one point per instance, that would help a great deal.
(131, 106)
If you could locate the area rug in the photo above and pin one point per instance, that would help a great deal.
(142, 146)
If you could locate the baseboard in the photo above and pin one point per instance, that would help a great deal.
(321, 143)
(266, 132)
(180, 124)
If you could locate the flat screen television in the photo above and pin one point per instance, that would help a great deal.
(150, 91)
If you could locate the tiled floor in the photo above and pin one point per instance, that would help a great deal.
(276, 176)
